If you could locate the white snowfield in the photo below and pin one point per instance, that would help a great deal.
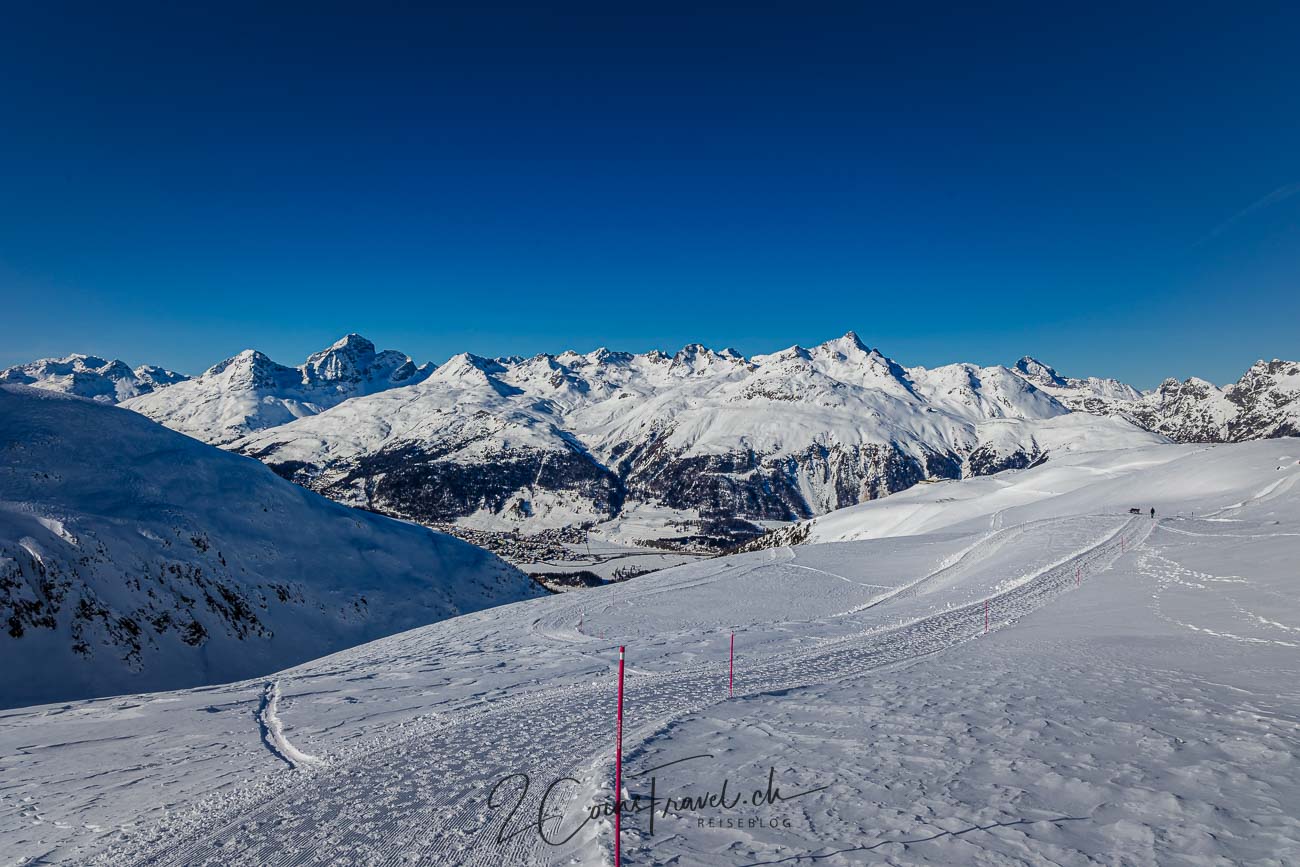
(1134, 701)
(1171, 479)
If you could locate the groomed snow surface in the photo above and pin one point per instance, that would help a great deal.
(1135, 700)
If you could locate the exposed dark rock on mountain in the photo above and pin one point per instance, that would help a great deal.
(1263, 404)
(711, 440)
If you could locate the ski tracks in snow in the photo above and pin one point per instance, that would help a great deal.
(268, 717)
(423, 799)
(1171, 575)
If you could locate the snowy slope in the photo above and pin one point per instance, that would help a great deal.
(1131, 701)
(711, 439)
(1159, 477)
(91, 376)
(250, 392)
(134, 558)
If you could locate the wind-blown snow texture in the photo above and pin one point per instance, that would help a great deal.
(717, 440)
(1133, 701)
(134, 558)
(250, 392)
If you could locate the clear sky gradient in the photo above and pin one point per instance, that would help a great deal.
(1115, 190)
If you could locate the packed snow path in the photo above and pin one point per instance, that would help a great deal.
(273, 730)
(419, 795)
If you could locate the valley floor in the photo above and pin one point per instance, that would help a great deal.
(1135, 699)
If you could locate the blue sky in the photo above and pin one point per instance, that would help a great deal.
(1114, 190)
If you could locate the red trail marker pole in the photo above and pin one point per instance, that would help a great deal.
(986, 617)
(731, 668)
(1078, 580)
(618, 768)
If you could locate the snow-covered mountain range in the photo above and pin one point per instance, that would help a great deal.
(1263, 404)
(91, 376)
(700, 448)
(134, 558)
(250, 392)
(723, 442)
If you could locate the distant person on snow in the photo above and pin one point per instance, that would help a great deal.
(1153, 512)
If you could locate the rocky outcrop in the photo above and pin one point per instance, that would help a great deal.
(1267, 399)
(1263, 404)
(250, 392)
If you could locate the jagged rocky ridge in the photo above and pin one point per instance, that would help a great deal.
(250, 392)
(725, 442)
(1263, 404)
(133, 558)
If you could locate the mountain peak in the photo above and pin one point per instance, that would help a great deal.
(250, 391)
(1276, 366)
(464, 362)
(344, 352)
(158, 376)
(1038, 372)
(849, 345)
(247, 359)
(351, 341)
(352, 365)
(698, 359)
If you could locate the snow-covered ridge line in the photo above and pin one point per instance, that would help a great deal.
(268, 716)
(716, 444)
(250, 392)
(696, 451)
(91, 377)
